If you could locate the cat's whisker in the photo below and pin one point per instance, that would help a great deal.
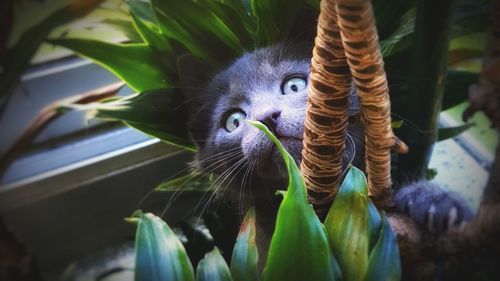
(229, 156)
(215, 182)
(182, 171)
(219, 184)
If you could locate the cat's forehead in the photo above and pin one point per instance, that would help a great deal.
(261, 70)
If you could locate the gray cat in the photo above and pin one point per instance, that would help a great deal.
(270, 85)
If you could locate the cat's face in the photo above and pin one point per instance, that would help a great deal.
(267, 85)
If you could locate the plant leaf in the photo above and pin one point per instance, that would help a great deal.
(198, 29)
(400, 38)
(456, 89)
(157, 113)
(451, 132)
(126, 27)
(296, 223)
(389, 15)
(384, 261)
(159, 253)
(146, 23)
(275, 19)
(242, 24)
(136, 64)
(352, 224)
(245, 254)
(213, 267)
(191, 182)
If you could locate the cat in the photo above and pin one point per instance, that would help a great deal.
(270, 85)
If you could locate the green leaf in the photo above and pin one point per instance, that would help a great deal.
(241, 24)
(456, 89)
(384, 261)
(136, 64)
(213, 267)
(353, 224)
(400, 39)
(146, 23)
(157, 113)
(275, 19)
(126, 27)
(245, 254)
(17, 58)
(390, 15)
(159, 253)
(298, 229)
(198, 29)
(451, 132)
(191, 182)
(456, 56)
(397, 124)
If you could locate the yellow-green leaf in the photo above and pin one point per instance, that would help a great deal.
(299, 247)
(352, 224)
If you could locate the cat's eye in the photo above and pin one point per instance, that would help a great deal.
(234, 120)
(293, 85)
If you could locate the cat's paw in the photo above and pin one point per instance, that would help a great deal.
(432, 207)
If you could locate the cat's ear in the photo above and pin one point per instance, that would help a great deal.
(194, 75)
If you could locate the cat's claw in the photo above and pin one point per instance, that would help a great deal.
(432, 207)
(452, 217)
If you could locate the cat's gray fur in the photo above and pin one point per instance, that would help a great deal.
(253, 83)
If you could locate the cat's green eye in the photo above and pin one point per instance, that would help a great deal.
(234, 120)
(294, 85)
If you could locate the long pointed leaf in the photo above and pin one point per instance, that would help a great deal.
(190, 182)
(136, 64)
(456, 90)
(245, 255)
(156, 112)
(297, 228)
(213, 267)
(275, 19)
(451, 132)
(352, 224)
(384, 263)
(159, 253)
(242, 26)
(198, 29)
(147, 24)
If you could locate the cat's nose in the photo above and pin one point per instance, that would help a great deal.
(270, 118)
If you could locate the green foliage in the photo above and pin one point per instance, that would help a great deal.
(302, 248)
(144, 111)
(218, 31)
(159, 254)
(451, 132)
(190, 182)
(296, 222)
(245, 255)
(136, 64)
(213, 268)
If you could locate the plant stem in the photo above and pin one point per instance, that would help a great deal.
(360, 40)
(327, 110)
(426, 85)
